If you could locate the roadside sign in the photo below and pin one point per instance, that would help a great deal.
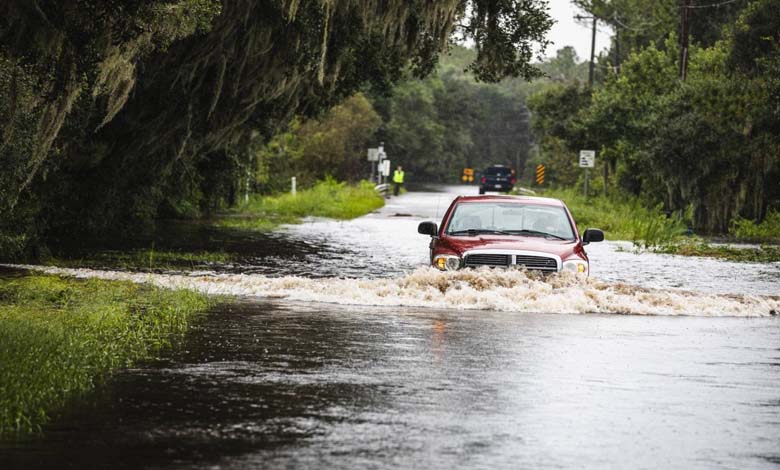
(587, 158)
(540, 174)
(468, 175)
(373, 155)
(385, 167)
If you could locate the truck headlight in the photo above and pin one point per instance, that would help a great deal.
(447, 262)
(576, 266)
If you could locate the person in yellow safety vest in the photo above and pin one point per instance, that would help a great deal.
(398, 180)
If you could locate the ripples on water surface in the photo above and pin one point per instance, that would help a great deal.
(269, 385)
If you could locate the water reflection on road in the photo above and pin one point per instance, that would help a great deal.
(281, 384)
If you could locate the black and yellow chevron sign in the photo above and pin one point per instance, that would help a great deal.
(540, 174)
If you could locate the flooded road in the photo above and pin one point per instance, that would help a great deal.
(496, 382)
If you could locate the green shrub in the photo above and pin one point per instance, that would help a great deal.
(622, 218)
(749, 231)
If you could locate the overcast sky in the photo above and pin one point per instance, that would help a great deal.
(567, 32)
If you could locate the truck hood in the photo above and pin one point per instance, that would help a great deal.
(561, 248)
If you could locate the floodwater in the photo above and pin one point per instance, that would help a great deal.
(404, 369)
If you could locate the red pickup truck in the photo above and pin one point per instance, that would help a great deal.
(532, 232)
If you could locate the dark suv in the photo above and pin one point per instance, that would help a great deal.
(497, 178)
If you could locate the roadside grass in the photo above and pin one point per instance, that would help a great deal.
(328, 198)
(142, 260)
(623, 219)
(60, 337)
(749, 231)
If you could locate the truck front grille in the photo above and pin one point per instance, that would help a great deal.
(475, 260)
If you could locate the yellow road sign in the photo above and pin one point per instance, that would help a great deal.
(540, 174)
(468, 175)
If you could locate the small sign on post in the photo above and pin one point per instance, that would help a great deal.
(540, 174)
(373, 155)
(385, 167)
(468, 175)
(587, 158)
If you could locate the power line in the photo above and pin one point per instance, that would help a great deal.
(711, 5)
(638, 29)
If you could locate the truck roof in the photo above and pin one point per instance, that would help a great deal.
(545, 201)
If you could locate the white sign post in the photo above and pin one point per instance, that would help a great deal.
(587, 160)
(380, 159)
(373, 156)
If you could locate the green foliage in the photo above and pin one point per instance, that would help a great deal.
(565, 67)
(504, 32)
(623, 218)
(89, 144)
(415, 137)
(327, 198)
(331, 145)
(708, 144)
(60, 337)
(643, 23)
(749, 231)
(437, 126)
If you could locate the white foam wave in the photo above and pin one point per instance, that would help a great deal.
(485, 289)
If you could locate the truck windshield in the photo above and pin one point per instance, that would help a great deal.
(503, 218)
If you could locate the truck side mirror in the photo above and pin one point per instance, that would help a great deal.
(428, 228)
(592, 235)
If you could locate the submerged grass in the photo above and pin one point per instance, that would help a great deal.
(764, 254)
(142, 260)
(327, 198)
(60, 337)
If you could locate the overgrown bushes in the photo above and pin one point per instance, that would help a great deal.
(748, 230)
(624, 218)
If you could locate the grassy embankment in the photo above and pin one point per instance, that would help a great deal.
(627, 219)
(60, 337)
(327, 198)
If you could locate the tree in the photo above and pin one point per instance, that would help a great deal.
(109, 105)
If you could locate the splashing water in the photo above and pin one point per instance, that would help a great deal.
(483, 289)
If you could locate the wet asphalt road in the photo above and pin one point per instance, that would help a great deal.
(275, 384)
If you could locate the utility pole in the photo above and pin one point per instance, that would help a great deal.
(592, 54)
(685, 8)
(592, 70)
(617, 48)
